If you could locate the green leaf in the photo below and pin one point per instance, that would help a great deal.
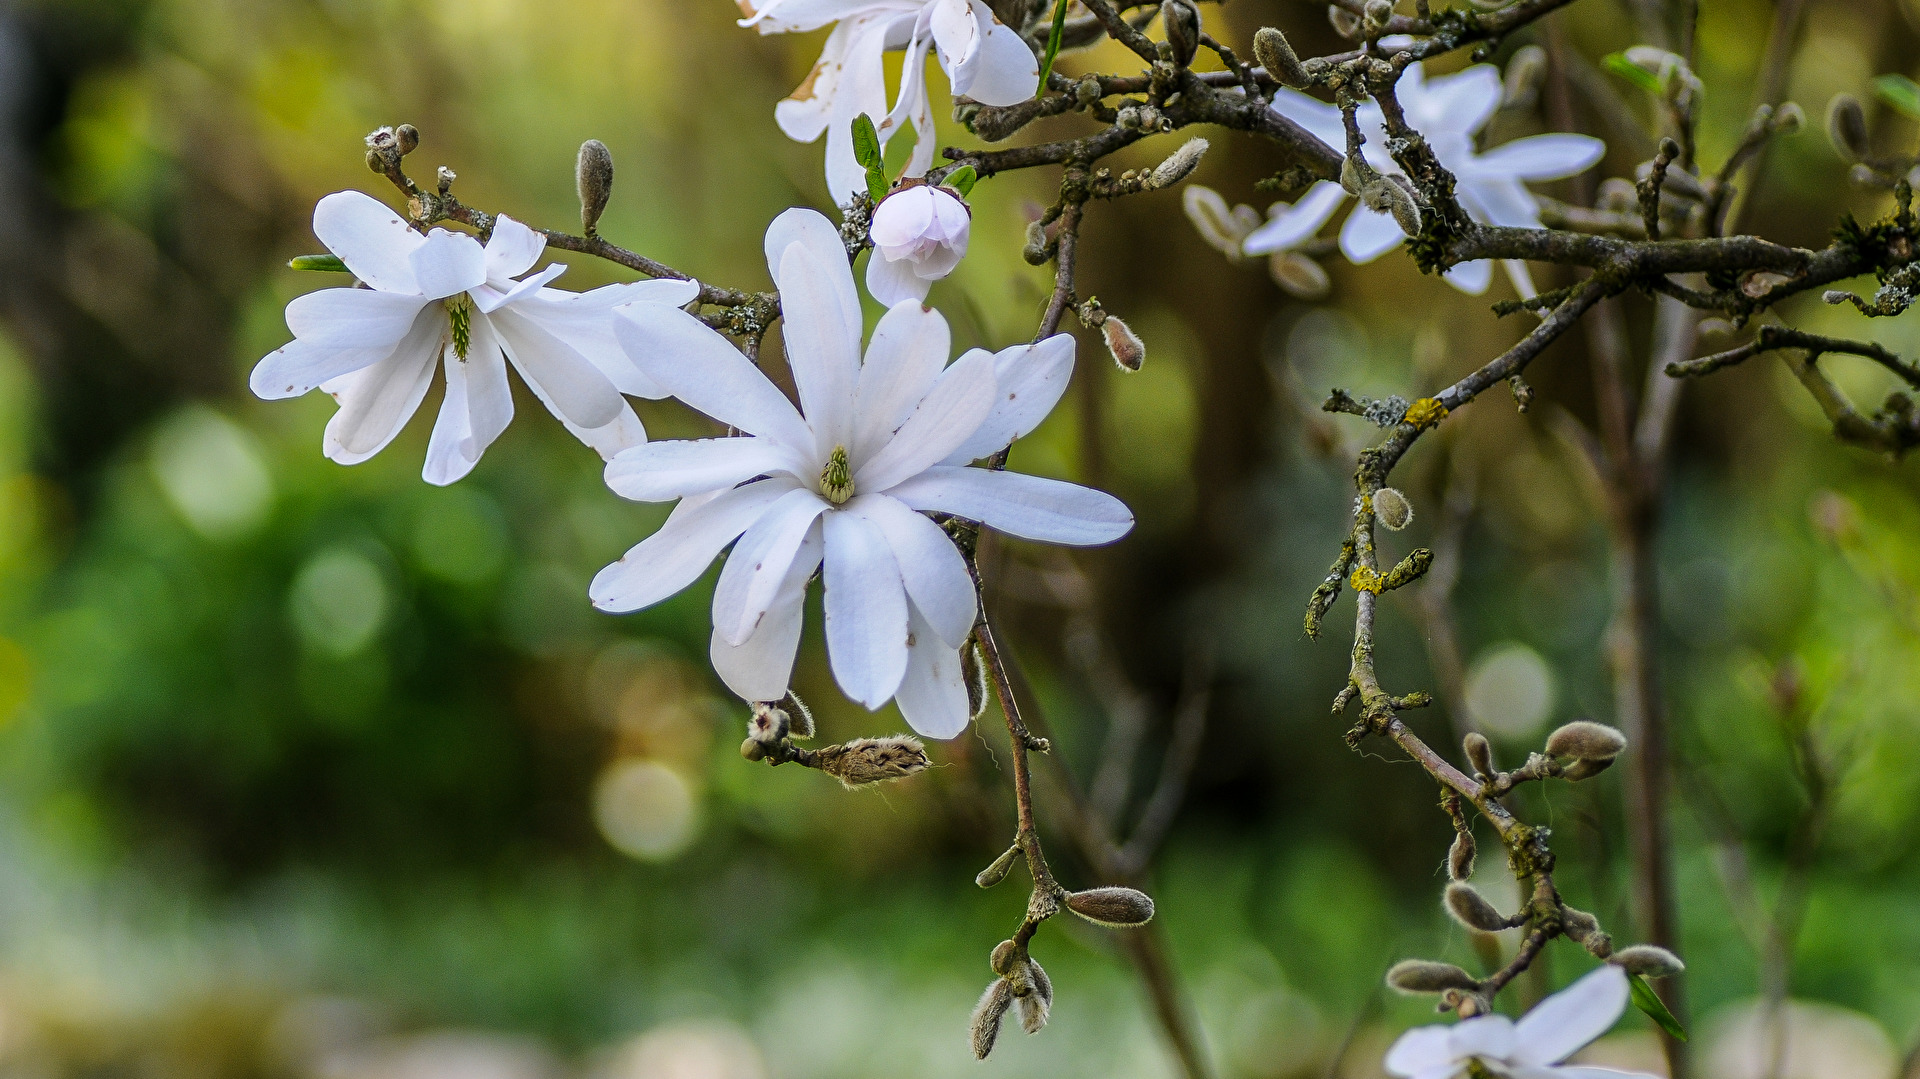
(1900, 92)
(1645, 999)
(328, 263)
(866, 143)
(962, 180)
(1639, 76)
(1053, 44)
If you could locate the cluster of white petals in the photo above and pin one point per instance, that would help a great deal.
(984, 59)
(442, 297)
(842, 483)
(1449, 112)
(919, 235)
(1532, 1048)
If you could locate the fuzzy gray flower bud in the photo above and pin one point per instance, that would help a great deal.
(1648, 961)
(1379, 13)
(1585, 740)
(997, 872)
(1579, 925)
(1117, 907)
(593, 175)
(1181, 20)
(1392, 509)
(1789, 118)
(1299, 276)
(1460, 856)
(1847, 127)
(1586, 769)
(874, 760)
(1002, 958)
(1177, 167)
(1345, 23)
(1479, 753)
(1426, 976)
(406, 139)
(1037, 1002)
(985, 1027)
(1126, 347)
(1276, 54)
(1473, 910)
(1525, 70)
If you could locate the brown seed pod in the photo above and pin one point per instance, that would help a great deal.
(1117, 907)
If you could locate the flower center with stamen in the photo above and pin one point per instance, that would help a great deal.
(460, 313)
(836, 479)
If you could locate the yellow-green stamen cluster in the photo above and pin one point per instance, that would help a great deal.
(836, 479)
(460, 313)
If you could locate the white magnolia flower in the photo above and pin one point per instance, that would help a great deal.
(919, 235)
(1449, 111)
(1532, 1048)
(984, 59)
(844, 481)
(441, 295)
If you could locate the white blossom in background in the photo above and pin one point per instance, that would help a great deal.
(984, 59)
(1449, 111)
(842, 482)
(919, 235)
(1531, 1048)
(442, 297)
(1225, 228)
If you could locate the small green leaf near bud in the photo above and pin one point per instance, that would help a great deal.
(1648, 1001)
(1055, 36)
(1585, 740)
(1900, 92)
(1276, 54)
(1116, 907)
(962, 180)
(323, 263)
(1479, 753)
(1473, 910)
(985, 1025)
(866, 143)
(593, 179)
(1847, 127)
(998, 871)
(1648, 961)
(1427, 976)
(1461, 855)
(1620, 65)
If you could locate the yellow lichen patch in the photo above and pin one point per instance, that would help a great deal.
(1366, 580)
(1426, 412)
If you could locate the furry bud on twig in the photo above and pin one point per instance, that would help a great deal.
(1587, 769)
(1789, 118)
(1299, 276)
(1379, 13)
(1002, 958)
(1479, 753)
(1126, 347)
(406, 139)
(1847, 127)
(1037, 1002)
(1181, 20)
(1460, 856)
(1345, 23)
(1585, 740)
(1392, 509)
(768, 724)
(1648, 961)
(985, 1027)
(998, 871)
(874, 760)
(1473, 910)
(1393, 195)
(593, 175)
(1427, 976)
(1276, 54)
(1116, 907)
(1178, 166)
(1578, 924)
(1525, 70)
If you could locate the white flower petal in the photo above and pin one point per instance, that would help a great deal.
(1463, 101)
(1049, 511)
(861, 88)
(1542, 157)
(488, 298)
(1521, 277)
(950, 413)
(933, 692)
(800, 16)
(1472, 278)
(1489, 1036)
(1420, 1051)
(512, 250)
(1028, 382)
(822, 342)
(1320, 119)
(1500, 202)
(1004, 71)
(760, 668)
(866, 608)
(749, 583)
(370, 238)
(489, 398)
(1368, 234)
(1568, 1020)
(931, 567)
(660, 471)
(299, 366)
(448, 263)
(583, 320)
(905, 357)
(700, 367)
(903, 217)
(621, 433)
(1296, 224)
(956, 32)
(575, 389)
(448, 449)
(803, 116)
(895, 283)
(683, 548)
(376, 402)
(353, 317)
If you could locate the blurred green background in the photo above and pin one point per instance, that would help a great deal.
(317, 771)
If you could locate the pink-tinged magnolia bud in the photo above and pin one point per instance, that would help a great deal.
(919, 235)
